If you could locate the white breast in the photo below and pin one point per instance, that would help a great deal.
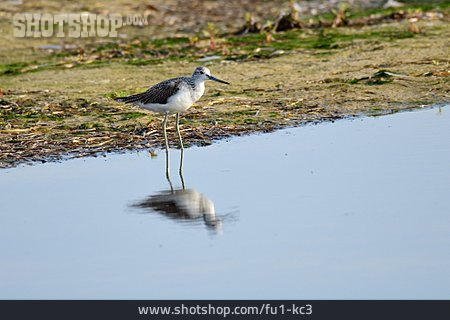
(179, 102)
(199, 91)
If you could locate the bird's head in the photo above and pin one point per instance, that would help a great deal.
(203, 73)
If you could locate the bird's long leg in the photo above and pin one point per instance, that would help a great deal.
(181, 146)
(167, 145)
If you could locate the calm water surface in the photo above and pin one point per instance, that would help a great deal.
(352, 209)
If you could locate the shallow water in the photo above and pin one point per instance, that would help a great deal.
(352, 209)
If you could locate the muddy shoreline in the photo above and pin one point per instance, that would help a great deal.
(151, 140)
(58, 104)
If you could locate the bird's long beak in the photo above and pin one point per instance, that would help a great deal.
(218, 80)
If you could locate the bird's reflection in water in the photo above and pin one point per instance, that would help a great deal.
(183, 205)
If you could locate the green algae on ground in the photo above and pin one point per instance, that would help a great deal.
(141, 51)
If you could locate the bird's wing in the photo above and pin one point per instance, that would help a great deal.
(159, 93)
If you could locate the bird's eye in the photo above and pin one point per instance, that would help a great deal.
(201, 72)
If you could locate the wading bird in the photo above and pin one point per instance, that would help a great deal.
(173, 96)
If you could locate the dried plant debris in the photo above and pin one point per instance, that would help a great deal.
(379, 77)
(341, 18)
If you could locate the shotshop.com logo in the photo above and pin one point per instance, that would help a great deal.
(73, 25)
